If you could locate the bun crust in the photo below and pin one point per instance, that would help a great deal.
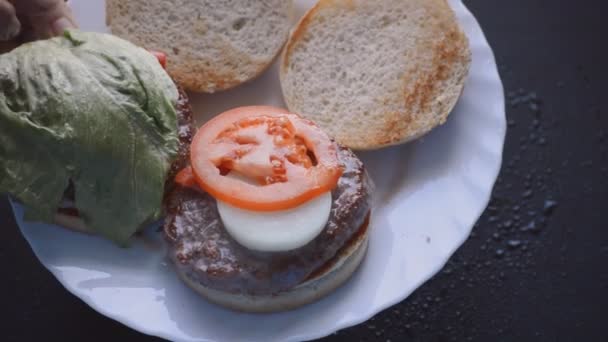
(72, 222)
(375, 73)
(210, 45)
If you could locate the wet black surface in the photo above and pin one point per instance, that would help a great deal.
(534, 268)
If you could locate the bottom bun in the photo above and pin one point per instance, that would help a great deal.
(72, 222)
(310, 291)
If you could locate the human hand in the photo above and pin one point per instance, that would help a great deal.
(26, 20)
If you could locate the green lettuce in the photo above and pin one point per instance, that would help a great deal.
(95, 110)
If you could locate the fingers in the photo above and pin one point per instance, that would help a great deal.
(9, 25)
(46, 17)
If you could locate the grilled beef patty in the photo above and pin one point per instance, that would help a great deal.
(202, 249)
(186, 131)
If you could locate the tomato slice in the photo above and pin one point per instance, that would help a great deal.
(285, 160)
(162, 58)
(186, 178)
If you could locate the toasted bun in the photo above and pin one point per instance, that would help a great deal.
(74, 223)
(375, 73)
(310, 291)
(211, 45)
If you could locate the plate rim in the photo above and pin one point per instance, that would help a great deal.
(462, 12)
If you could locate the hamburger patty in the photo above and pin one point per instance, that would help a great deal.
(202, 249)
(185, 129)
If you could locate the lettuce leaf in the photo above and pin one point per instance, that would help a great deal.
(95, 110)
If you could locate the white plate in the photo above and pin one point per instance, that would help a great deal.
(430, 193)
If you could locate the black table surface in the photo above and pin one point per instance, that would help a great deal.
(534, 267)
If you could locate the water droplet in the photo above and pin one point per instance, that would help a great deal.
(549, 206)
(496, 236)
(500, 253)
(507, 224)
(535, 123)
(533, 106)
(530, 227)
(527, 194)
(513, 244)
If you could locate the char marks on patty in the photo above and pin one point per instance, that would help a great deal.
(201, 248)
(186, 131)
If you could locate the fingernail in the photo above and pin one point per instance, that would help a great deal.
(61, 25)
